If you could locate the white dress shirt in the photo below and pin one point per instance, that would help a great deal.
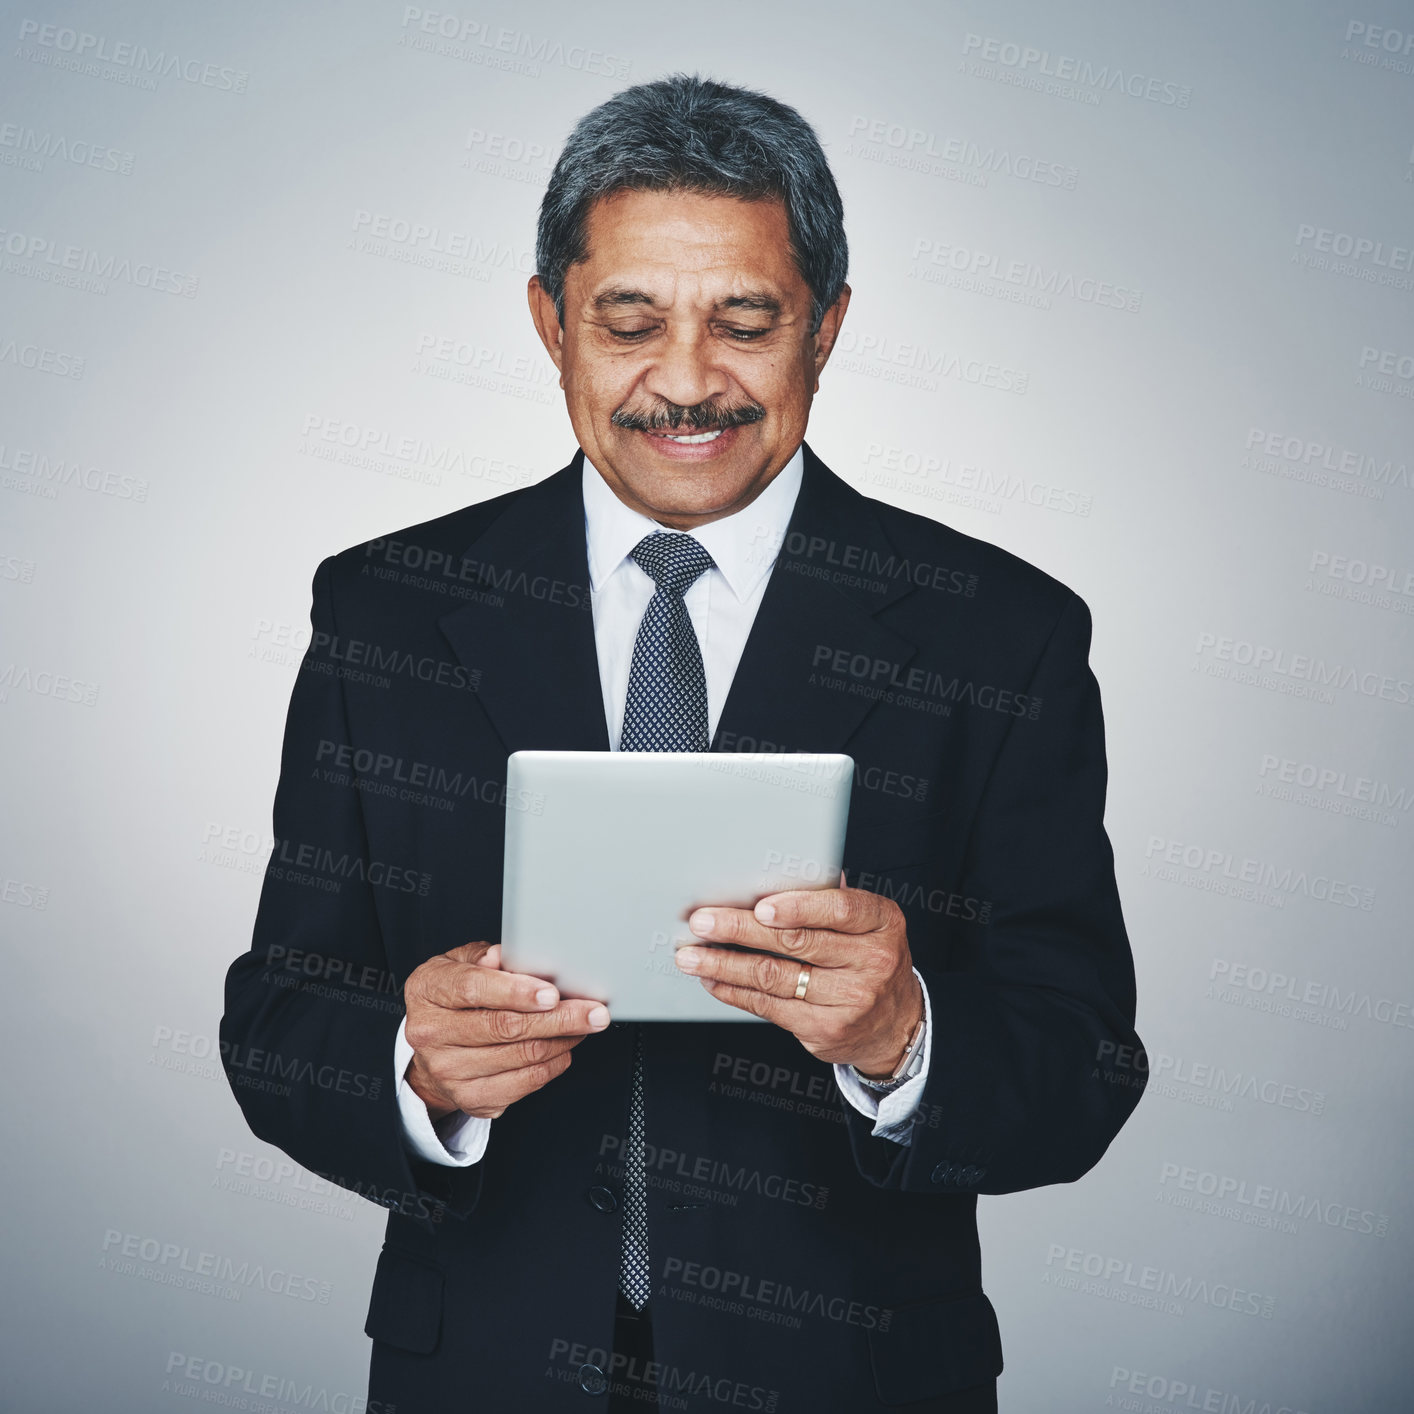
(722, 605)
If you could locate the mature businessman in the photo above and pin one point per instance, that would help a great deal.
(691, 1216)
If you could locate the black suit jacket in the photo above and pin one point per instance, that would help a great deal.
(799, 1263)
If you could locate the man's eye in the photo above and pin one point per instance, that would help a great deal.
(628, 335)
(741, 335)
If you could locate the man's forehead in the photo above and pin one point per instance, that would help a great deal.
(655, 248)
(638, 209)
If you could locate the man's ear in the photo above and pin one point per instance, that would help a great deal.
(547, 323)
(828, 332)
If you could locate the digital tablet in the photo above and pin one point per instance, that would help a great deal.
(607, 853)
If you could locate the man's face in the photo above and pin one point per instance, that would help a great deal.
(686, 354)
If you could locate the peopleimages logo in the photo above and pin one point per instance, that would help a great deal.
(42, 257)
(1167, 855)
(177, 1264)
(1382, 262)
(1379, 46)
(61, 47)
(1066, 69)
(942, 478)
(1323, 464)
(402, 456)
(962, 159)
(764, 1299)
(1389, 371)
(28, 147)
(1120, 1279)
(1295, 674)
(515, 50)
(1214, 1082)
(50, 472)
(964, 267)
(1128, 1386)
(1331, 789)
(880, 676)
(703, 1169)
(1303, 998)
(57, 687)
(1225, 1195)
(1351, 266)
(218, 1382)
(918, 366)
(40, 359)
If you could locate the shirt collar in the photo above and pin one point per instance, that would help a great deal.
(743, 545)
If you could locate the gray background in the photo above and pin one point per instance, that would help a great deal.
(1215, 470)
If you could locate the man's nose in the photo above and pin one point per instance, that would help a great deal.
(685, 372)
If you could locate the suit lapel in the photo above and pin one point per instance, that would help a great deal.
(782, 692)
(532, 632)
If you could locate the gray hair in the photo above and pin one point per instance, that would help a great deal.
(687, 133)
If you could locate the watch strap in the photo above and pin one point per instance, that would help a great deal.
(906, 1069)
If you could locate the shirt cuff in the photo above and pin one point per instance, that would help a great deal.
(456, 1141)
(892, 1113)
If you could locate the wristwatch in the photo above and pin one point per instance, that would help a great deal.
(906, 1069)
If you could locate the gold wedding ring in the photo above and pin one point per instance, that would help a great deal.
(802, 984)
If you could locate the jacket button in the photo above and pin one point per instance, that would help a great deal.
(945, 1173)
(592, 1379)
(969, 1176)
(602, 1199)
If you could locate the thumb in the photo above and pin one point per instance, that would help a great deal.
(479, 954)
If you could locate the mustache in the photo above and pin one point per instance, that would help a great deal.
(664, 416)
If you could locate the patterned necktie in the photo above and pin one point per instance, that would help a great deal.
(666, 710)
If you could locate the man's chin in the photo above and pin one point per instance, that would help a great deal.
(691, 492)
(703, 480)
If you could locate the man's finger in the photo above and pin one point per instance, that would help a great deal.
(774, 975)
(495, 1027)
(740, 927)
(784, 1013)
(456, 1065)
(494, 1093)
(435, 1027)
(839, 910)
(460, 984)
(476, 953)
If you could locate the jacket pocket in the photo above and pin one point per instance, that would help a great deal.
(936, 1347)
(406, 1306)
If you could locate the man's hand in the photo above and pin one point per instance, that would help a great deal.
(862, 1002)
(482, 1038)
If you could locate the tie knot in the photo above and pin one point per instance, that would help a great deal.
(671, 559)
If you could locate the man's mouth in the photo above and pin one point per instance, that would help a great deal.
(691, 439)
(689, 444)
